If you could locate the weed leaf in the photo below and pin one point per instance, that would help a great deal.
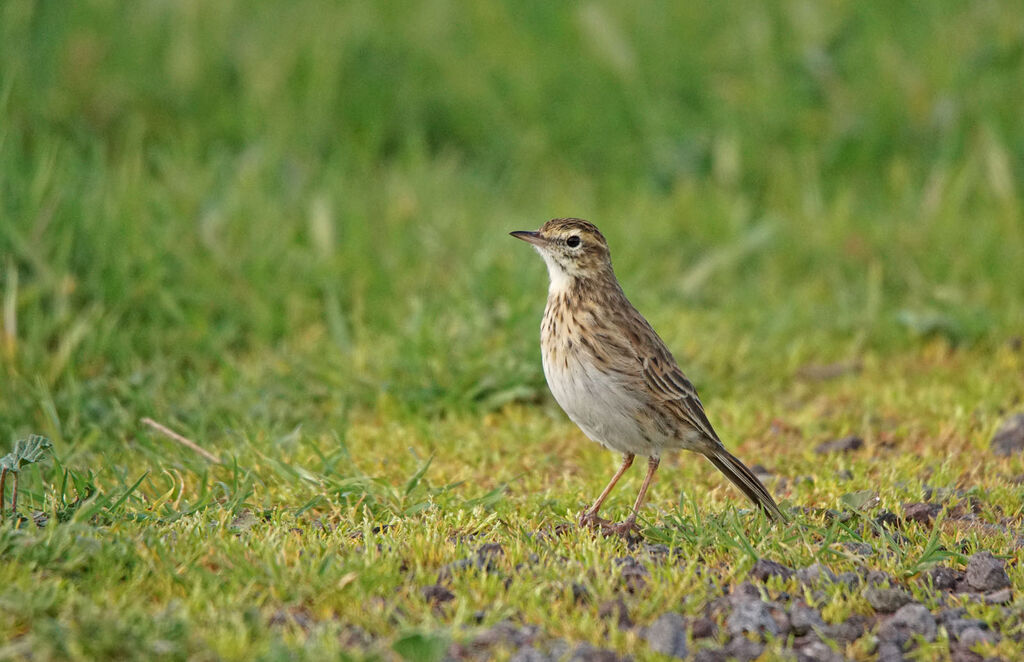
(26, 451)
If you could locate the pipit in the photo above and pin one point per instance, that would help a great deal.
(613, 375)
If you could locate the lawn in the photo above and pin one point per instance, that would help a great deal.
(280, 231)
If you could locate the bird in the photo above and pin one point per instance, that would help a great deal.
(613, 375)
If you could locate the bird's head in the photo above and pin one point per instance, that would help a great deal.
(573, 249)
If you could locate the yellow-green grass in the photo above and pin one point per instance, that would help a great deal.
(281, 231)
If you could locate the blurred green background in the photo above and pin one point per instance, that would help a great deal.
(273, 213)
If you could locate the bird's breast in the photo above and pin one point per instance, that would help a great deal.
(594, 397)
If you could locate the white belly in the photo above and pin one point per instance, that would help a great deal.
(598, 405)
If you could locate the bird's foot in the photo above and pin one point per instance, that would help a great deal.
(589, 519)
(623, 528)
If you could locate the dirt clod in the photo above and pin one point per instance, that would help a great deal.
(765, 568)
(437, 594)
(922, 512)
(1009, 438)
(667, 635)
(886, 599)
(844, 445)
(986, 573)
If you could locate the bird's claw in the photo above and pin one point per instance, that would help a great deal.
(591, 520)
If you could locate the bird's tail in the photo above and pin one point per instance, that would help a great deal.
(745, 480)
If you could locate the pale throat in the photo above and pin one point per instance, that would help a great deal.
(561, 280)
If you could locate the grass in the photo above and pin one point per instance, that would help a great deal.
(280, 230)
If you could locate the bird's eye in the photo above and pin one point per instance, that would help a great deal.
(572, 242)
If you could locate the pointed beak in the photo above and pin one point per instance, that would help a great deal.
(529, 237)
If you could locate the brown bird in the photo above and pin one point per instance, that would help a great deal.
(613, 375)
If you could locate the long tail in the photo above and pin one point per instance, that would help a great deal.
(744, 478)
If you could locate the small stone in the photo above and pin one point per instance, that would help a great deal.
(858, 548)
(616, 610)
(911, 619)
(956, 627)
(847, 631)
(703, 628)
(587, 653)
(1000, 597)
(849, 579)
(488, 556)
(437, 594)
(580, 593)
(658, 553)
(765, 568)
(751, 615)
(530, 654)
(667, 635)
(986, 573)
(887, 520)
(710, 655)
(818, 651)
(633, 573)
(974, 636)
(942, 578)
(353, 636)
(886, 599)
(844, 445)
(1009, 438)
(506, 633)
(947, 616)
(449, 570)
(803, 619)
(922, 512)
(743, 649)
(889, 651)
(814, 573)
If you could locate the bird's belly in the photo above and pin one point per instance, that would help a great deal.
(598, 404)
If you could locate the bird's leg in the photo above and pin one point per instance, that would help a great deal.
(589, 516)
(623, 528)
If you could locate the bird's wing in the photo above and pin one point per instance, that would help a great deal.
(669, 385)
(664, 381)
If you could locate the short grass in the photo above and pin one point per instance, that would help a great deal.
(280, 230)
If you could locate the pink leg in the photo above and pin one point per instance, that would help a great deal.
(589, 516)
(626, 526)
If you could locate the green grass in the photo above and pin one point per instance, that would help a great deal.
(280, 229)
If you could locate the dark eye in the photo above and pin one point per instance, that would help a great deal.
(572, 242)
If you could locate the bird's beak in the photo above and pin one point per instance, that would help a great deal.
(529, 237)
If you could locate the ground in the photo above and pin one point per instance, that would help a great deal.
(281, 232)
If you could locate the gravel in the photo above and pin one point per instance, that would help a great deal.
(765, 568)
(703, 628)
(751, 615)
(1009, 438)
(818, 651)
(847, 631)
(437, 594)
(844, 445)
(943, 578)
(910, 619)
(634, 574)
(889, 651)
(744, 649)
(616, 610)
(886, 599)
(814, 574)
(486, 559)
(921, 512)
(986, 573)
(580, 594)
(667, 635)
(804, 619)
